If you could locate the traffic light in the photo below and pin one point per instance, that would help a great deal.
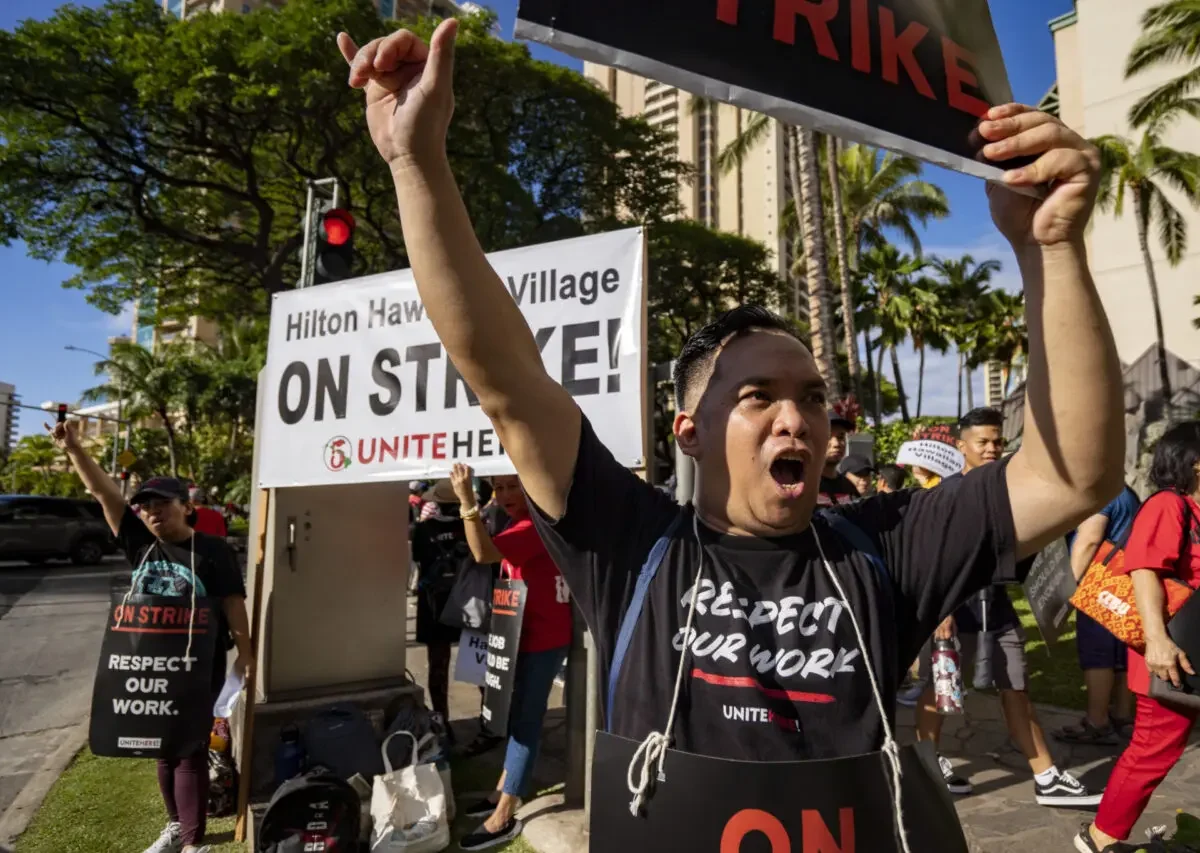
(62, 413)
(335, 246)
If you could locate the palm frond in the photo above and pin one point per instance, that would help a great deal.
(736, 152)
(1172, 229)
(1171, 34)
(1164, 100)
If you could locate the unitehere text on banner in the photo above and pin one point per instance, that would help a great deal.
(359, 389)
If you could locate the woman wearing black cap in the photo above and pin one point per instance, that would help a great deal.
(170, 559)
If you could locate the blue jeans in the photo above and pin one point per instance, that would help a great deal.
(531, 695)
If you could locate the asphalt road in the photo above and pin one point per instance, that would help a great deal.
(51, 624)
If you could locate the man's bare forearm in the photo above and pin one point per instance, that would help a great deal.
(99, 484)
(1071, 457)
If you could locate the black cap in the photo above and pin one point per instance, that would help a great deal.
(854, 464)
(836, 419)
(161, 487)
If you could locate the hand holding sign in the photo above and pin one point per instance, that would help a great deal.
(460, 479)
(409, 89)
(1068, 163)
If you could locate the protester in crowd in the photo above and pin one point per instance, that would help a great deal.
(439, 551)
(1164, 542)
(1101, 655)
(545, 638)
(989, 625)
(860, 472)
(204, 519)
(416, 488)
(169, 558)
(836, 488)
(752, 414)
(890, 478)
(925, 478)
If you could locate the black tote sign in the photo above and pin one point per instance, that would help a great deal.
(841, 805)
(508, 612)
(1049, 588)
(153, 695)
(911, 75)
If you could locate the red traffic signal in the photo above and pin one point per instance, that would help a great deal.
(338, 225)
(62, 413)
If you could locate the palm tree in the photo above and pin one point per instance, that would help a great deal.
(930, 326)
(1171, 35)
(820, 308)
(1005, 337)
(1144, 171)
(36, 453)
(897, 300)
(149, 383)
(832, 147)
(964, 283)
(881, 191)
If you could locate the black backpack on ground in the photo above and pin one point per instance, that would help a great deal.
(342, 739)
(315, 812)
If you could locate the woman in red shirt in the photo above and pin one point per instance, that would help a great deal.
(545, 637)
(1164, 542)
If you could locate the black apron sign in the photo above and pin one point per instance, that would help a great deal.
(508, 612)
(910, 75)
(153, 696)
(1049, 588)
(842, 805)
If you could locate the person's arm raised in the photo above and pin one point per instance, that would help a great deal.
(102, 486)
(410, 101)
(1071, 458)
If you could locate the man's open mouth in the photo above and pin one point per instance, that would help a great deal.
(788, 474)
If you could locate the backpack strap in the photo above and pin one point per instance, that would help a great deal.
(630, 619)
(856, 538)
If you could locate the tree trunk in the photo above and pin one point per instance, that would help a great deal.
(877, 408)
(961, 361)
(170, 430)
(970, 388)
(899, 385)
(820, 309)
(843, 261)
(797, 194)
(233, 433)
(879, 375)
(920, 378)
(1164, 373)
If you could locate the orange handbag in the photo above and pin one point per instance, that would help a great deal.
(1106, 595)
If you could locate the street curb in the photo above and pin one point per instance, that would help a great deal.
(15, 820)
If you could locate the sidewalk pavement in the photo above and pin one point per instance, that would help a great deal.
(1000, 817)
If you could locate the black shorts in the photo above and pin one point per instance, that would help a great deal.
(430, 631)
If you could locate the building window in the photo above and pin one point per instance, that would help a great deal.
(387, 8)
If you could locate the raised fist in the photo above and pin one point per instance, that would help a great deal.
(65, 435)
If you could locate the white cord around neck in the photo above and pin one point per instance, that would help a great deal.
(654, 747)
(890, 748)
(133, 585)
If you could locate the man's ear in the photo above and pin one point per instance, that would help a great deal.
(961, 445)
(686, 435)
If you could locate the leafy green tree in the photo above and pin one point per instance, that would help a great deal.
(169, 158)
(897, 299)
(36, 467)
(1144, 169)
(882, 191)
(964, 283)
(1171, 35)
(930, 329)
(1003, 336)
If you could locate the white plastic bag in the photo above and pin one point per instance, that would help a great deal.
(408, 807)
(223, 707)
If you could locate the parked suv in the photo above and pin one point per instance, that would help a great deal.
(36, 529)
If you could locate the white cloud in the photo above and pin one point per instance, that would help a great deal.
(120, 324)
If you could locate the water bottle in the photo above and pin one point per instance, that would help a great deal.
(289, 755)
(947, 677)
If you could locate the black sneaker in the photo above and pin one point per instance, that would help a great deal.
(1085, 844)
(483, 808)
(481, 839)
(1065, 790)
(955, 784)
(1086, 733)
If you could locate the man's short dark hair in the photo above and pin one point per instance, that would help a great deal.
(1175, 458)
(703, 346)
(980, 417)
(893, 475)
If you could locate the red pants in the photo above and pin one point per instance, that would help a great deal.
(1160, 735)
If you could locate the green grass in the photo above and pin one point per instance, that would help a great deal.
(112, 804)
(1054, 674)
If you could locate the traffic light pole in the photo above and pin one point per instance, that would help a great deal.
(318, 196)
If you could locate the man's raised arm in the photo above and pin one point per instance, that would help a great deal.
(1071, 459)
(409, 92)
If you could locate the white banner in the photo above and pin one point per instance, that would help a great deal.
(359, 388)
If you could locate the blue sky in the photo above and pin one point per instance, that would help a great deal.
(42, 317)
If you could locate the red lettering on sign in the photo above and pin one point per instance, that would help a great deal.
(893, 49)
(818, 12)
(419, 440)
(756, 820)
(386, 449)
(169, 616)
(955, 56)
(727, 11)
(818, 839)
(439, 445)
(860, 36)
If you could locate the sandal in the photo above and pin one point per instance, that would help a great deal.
(1086, 733)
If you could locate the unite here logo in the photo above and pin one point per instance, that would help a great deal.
(1111, 602)
(337, 453)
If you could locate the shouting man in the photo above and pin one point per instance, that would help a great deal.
(771, 634)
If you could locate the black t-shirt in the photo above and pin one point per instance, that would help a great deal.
(836, 490)
(775, 673)
(440, 549)
(171, 569)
